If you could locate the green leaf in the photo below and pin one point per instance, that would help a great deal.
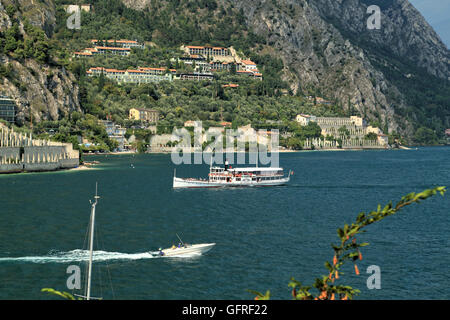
(260, 295)
(363, 244)
(63, 294)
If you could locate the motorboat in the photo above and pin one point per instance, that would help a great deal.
(184, 249)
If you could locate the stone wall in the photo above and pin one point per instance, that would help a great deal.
(69, 163)
(8, 154)
(11, 168)
(352, 143)
(158, 141)
(19, 152)
(49, 166)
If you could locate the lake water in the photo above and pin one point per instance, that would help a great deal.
(263, 236)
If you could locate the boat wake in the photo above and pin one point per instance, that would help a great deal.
(83, 255)
(78, 256)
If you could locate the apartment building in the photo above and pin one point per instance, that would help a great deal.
(141, 75)
(142, 114)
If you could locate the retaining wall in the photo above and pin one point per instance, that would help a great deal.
(36, 167)
(11, 168)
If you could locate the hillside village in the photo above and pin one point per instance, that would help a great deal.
(79, 85)
(204, 62)
(134, 93)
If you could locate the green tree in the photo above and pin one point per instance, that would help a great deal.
(425, 136)
(294, 143)
(12, 36)
(371, 136)
(10, 11)
(343, 131)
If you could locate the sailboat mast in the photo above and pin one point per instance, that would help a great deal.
(91, 244)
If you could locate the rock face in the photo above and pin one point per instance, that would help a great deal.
(41, 92)
(403, 31)
(137, 4)
(326, 43)
(40, 13)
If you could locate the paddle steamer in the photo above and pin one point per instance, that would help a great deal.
(235, 177)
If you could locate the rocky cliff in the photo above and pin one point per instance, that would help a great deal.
(404, 32)
(326, 43)
(41, 90)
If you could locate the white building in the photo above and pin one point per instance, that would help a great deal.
(142, 75)
(383, 139)
(115, 132)
(375, 130)
(357, 121)
(120, 43)
(249, 65)
(304, 119)
(191, 123)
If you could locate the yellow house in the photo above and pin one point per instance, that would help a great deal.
(147, 115)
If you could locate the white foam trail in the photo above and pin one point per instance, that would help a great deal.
(79, 256)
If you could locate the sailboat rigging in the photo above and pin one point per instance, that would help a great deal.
(87, 295)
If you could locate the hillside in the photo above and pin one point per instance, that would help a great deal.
(30, 70)
(396, 77)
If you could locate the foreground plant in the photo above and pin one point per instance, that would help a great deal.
(63, 294)
(348, 250)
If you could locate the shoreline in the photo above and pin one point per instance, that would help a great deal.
(285, 151)
(78, 168)
(110, 153)
(279, 151)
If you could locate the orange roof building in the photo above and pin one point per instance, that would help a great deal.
(103, 50)
(122, 43)
(248, 65)
(248, 62)
(207, 50)
(141, 75)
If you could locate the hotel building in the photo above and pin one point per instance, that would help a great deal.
(141, 75)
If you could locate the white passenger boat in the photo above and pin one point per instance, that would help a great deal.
(184, 250)
(235, 177)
